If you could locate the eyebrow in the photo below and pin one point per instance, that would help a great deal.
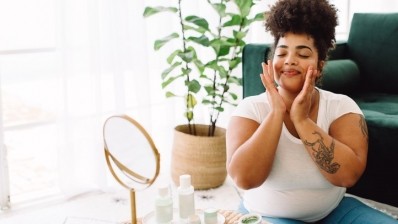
(298, 47)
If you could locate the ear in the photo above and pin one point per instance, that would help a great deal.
(320, 65)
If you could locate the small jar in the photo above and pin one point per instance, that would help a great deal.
(251, 218)
(210, 216)
(194, 219)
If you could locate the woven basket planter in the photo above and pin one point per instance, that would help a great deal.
(202, 157)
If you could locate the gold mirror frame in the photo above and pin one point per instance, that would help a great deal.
(125, 170)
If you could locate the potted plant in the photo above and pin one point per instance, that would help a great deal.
(208, 77)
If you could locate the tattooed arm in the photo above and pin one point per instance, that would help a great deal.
(340, 154)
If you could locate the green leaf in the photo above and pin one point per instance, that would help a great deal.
(244, 7)
(201, 22)
(259, 17)
(209, 90)
(159, 43)
(222, 72)
(239, 34)
(199, 65)
(194, 86)
(220, 8)
(191, 101)
(171, 57)
(187, 56)
(170, 69)
(220, 109)
(168, 81)
(234, 63)
(169, 94)
(221, 48)
(189, 115)
(224, 50)
(226, 88)
(206, 102)
(235, 21)
(233, 95)
(202, 40)
(197, 29)
(149, 11)
(235, 80)
(212, 65)
(185, 71)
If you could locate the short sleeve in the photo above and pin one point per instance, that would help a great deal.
(346, 105)
(253, 107)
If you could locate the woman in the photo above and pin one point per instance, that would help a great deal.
(296, 148)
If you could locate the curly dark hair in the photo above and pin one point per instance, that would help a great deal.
(316, 18)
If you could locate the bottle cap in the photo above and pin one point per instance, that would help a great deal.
(163, 191)
(185, 181)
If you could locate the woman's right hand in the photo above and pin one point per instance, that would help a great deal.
(275, 99)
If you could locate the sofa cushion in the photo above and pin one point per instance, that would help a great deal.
(379, 103)
(340, 76)
(381, 114)
(373, 45)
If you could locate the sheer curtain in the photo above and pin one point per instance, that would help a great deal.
(107, 65)
(65, 66)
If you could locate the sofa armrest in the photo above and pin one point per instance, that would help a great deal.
(339, 52)
(252, 57)
(340, 76)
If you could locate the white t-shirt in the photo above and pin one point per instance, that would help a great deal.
(295, 188)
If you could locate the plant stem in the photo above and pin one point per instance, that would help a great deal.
(213, 122)
(192, 130)
(233, 57)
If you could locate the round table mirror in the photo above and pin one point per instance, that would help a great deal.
(131, 155)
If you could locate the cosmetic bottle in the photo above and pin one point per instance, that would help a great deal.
(186, 203)
(164, 206)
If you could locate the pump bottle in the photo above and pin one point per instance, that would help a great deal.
(186, 203)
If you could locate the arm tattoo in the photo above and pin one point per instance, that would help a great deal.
(323, 155)
(364, 127)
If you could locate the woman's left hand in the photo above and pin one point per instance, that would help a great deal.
(302, 104)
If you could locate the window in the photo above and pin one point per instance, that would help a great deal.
(28, 95)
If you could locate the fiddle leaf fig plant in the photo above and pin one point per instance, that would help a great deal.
(206, 78)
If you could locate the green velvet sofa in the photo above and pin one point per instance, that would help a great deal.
(365, 67)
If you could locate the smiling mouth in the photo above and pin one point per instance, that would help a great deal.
(290, 72)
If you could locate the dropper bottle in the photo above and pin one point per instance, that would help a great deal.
(164, 206)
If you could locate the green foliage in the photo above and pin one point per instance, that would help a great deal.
(206, 79)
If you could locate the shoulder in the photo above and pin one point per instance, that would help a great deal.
(333, 97)
(253, 107)
(338, 104)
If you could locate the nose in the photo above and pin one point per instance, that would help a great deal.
(290, 60)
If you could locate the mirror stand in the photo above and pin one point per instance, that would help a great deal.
(126, 146)
(133, 208)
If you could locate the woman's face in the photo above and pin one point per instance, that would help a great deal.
(294, 53)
